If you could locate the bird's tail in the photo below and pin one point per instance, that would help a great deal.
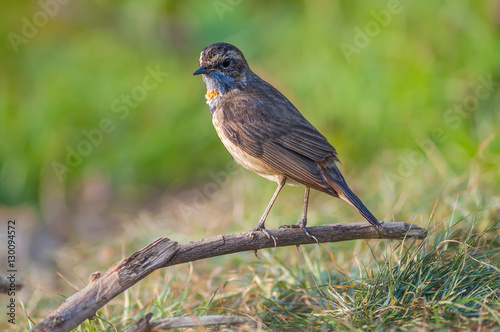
(337, 181)
(348, 196)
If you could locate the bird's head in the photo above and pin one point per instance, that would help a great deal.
(223, 68)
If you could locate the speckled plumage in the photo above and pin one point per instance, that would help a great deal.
(264, 131)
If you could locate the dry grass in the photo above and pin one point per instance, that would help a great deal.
(450, 280)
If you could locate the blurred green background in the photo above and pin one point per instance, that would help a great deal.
(380, 79)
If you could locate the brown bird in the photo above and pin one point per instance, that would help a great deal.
(267, 135)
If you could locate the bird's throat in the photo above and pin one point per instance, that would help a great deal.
(210, 95)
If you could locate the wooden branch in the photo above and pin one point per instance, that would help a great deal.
(164, 252)
(232, 243)
(101, 289)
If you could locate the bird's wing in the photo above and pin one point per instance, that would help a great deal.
(270, 128)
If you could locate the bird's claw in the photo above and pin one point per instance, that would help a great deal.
(301, 225)
(266, 232)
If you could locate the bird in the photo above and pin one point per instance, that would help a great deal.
(266, 134)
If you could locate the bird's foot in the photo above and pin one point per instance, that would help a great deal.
(266, 232)
(380, 227)
(301, 224)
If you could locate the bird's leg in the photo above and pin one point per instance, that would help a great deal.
(260, 225)
(303, 222)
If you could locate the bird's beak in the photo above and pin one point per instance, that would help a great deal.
(202, 70)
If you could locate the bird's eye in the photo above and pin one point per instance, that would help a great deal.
(226, 63)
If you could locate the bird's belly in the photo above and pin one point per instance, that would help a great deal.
(246, 160)
(250, 162)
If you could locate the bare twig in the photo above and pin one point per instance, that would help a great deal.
(183, 322)
(142, 325)
(163, 252)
